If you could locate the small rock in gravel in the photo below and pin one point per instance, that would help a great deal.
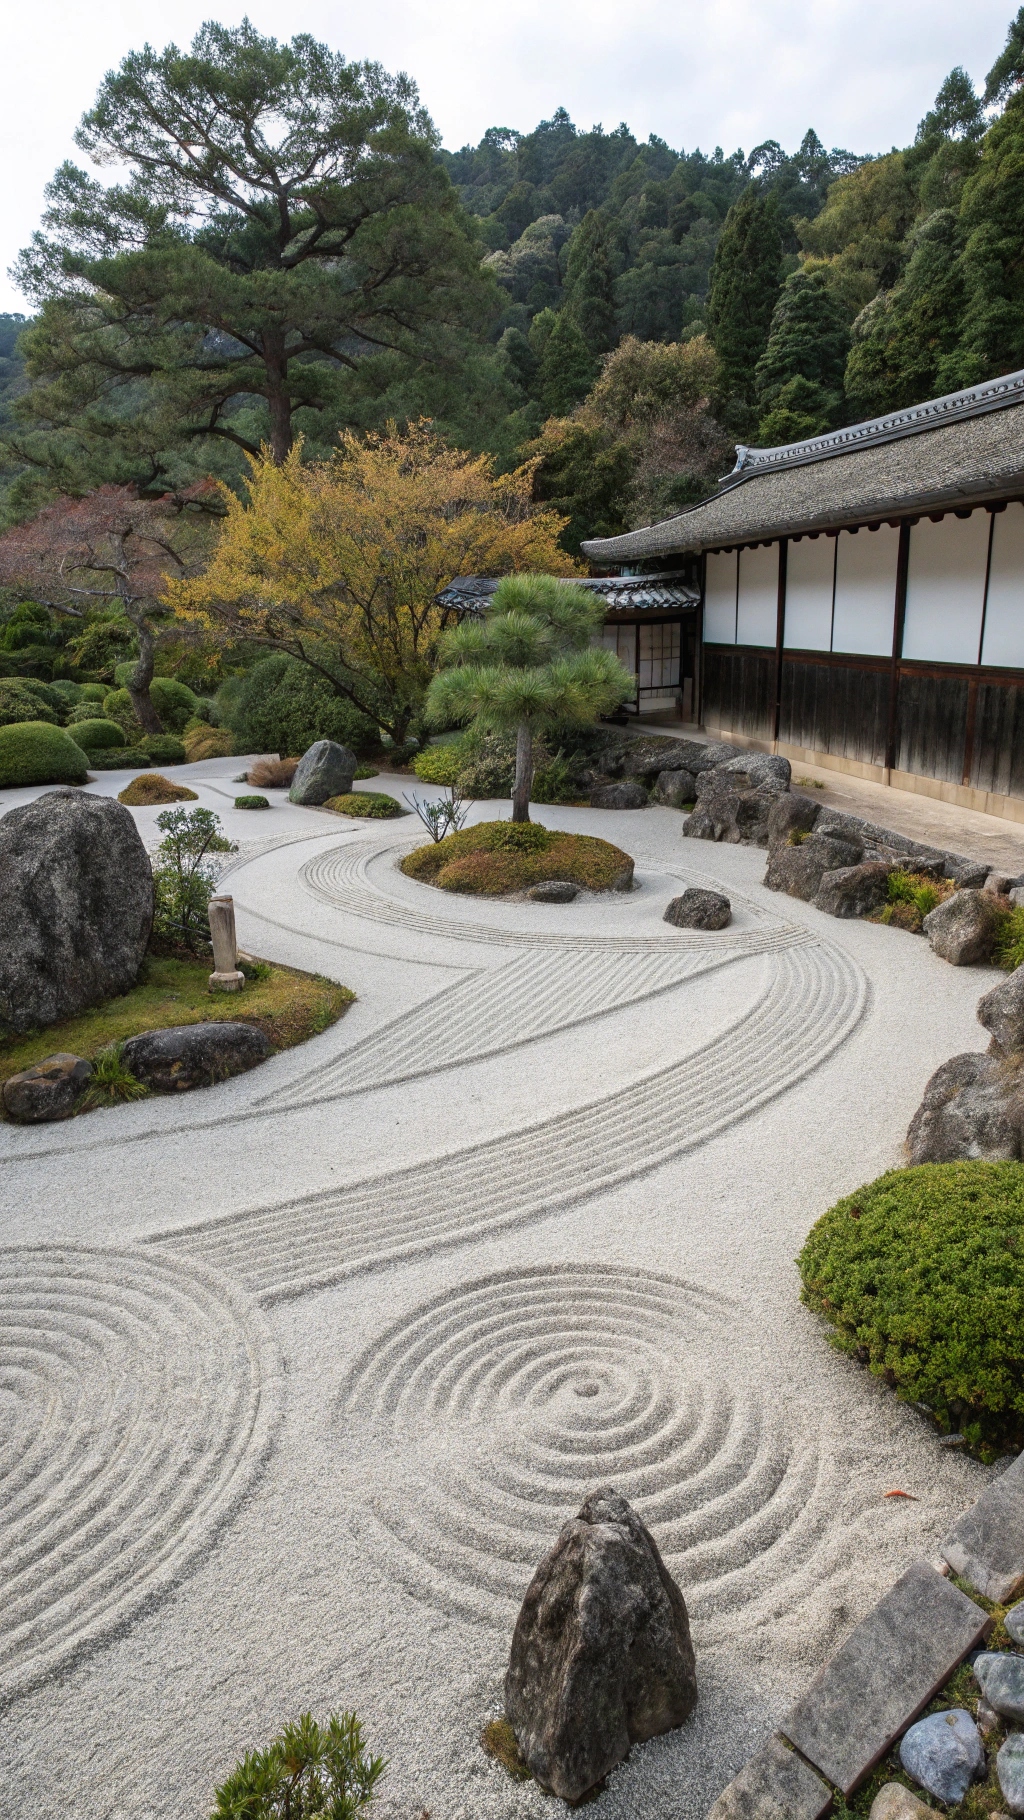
(1010, 1770)
(619, 796)
(193, 1055)
(47, 1091)
(553, 891)
(894, 1802)
(953, 1441)
(1014, 1620)
(1001, 1679)
(944, 1753)
(697, 909)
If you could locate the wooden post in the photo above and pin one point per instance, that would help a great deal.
(698, 648)
(780, 632)
(899, 618)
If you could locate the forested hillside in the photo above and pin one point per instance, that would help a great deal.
(619, 313)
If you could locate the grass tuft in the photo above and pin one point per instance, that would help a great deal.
(111, 1082)
(499, 1741)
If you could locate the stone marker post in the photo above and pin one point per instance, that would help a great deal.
(225, 976)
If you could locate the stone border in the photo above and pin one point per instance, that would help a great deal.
(889, 1668)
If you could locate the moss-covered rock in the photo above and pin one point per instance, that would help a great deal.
(921, 1274)
(37, 752)
(498, 857)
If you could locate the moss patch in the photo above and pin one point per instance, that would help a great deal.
(921, 1274)
(498, 857)
(373, 803)
(911, 896)
(143, 792)
(286, 1005)
(499, 1741)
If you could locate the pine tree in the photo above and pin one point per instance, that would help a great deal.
(991, 265)
(567, 368)
(1007, 72)
(745, 279)
(903, 342)
(589, 283)
(809, 342)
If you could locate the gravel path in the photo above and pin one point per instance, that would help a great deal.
(300, 1375)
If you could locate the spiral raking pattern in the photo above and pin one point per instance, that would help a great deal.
(483, 1419)
(138, 1395)
(813, 998)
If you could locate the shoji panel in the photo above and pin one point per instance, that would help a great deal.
(758, 600)
(720, 600)
(865, 603)
(810, 572)
(946, 589)
(1004, 614)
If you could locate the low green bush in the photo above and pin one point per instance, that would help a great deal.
(442, 764)
(281, 705)
(96, 735)
(117, 705)
(165, 749)
(1009, 948)
(365, 771)
(19, 702)
(310, 1772)
(252, 802)
(111, 1082)
(37, 752)
(373, 803)
(93, 691)
(921, 1274)
(120, 758)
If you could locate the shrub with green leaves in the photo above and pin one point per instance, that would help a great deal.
(184, 878)
(373, 803)
(165, 749)
(111, 1082)
(309, 1772)
(174, 701)
(96, 735)
(19, 702)
(442, 764)
(1009, 948)
(252, 802)
(117, 705)
(93, 692)
(282, 705)
(921, 1274)
(37, 752)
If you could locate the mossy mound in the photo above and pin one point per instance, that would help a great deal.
(251, 802)
(921, 1274)
(151, 788)
(201, 741)
(165, 749)
(498, 857)
(36, 752)
(96, 735)
(373, 803)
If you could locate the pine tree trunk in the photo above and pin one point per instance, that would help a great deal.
(524, 773)
(142, 675)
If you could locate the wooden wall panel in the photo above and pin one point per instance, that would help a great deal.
(739, 690)
(932, 725)
(838, 708)
(998, 758)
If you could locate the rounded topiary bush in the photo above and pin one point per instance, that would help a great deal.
(37, 752)
(251, 802)
(282, 705)
(201, 741)
(20, 702)
(96, 735)
(374, 803)
(164, 749)
(92, 691)
(497, 857)
(921, 1274)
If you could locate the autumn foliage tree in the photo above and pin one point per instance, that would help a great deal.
(339, 563)
(113, 553)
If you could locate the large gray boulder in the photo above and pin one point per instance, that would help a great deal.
(963, 929)
(973, 1107)
(625, 795)
(853, 890)
(791, 814)
(674, 788)
(1002, 1013)
(76, 907)
(800, 868)
(726, 810)
(193, 1055)
(601, 1654)
(327, 769)
(762, 768)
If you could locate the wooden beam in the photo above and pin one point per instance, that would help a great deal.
(899, 619)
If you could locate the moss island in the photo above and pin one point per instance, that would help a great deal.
(499, 857)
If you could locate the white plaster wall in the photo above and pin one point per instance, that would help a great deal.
(1004, 614)
(720, 599)
(758, 602)
(810, 567)
(865, 602)
(946, 589)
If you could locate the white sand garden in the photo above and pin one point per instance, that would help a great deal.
(353, 1334)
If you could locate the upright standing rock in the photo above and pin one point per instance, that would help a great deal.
(601, 1653)
(76, 907)
(327, 769)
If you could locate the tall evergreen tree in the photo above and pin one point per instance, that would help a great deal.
(567, 368)
(589, 283)
(902, 343)
(800, 373)
(1007, 72)
(991, 266)
(745, 279)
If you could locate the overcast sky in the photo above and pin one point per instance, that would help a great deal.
(696, 72)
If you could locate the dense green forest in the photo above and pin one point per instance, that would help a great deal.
(618, 312)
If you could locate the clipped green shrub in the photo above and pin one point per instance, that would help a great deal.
(201, 741)
(310, 1772)
(251, 802)
(18, 702)
(495, 857)
(365, 771)
(921, 1274)
(37, 752)
(373, 803)
(93, 691)
(441, 764)
(281, 705)
(120, 758)
(96, 735)
(174, 701)
(165, 749)
(117, 705)
(70, 693)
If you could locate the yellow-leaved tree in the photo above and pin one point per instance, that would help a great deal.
(339, 563)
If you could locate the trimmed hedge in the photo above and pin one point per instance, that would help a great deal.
(120, 758)
(93, 691)
(282, 705)
(151, 788)
(441, 764)
(19, 702)
(372, 803)
(921, 1273)
(496, 857)
(36, 752)
(96, 735)
(165, 749)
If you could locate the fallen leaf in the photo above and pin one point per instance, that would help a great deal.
(902, 1494)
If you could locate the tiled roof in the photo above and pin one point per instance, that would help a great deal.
(621, 592)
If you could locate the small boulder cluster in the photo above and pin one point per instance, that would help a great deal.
(946, 1752)
(973, 1106)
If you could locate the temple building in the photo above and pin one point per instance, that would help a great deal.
(854, 601)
